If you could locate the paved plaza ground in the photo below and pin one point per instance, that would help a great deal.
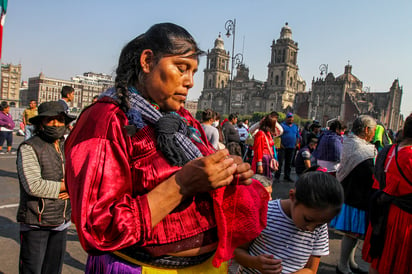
(75, 258)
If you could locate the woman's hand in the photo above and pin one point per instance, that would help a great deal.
(259, 170)
(243, 173)
(210, 172)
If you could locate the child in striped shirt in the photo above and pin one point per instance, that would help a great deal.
(296, 235)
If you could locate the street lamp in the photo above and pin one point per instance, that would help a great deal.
(323, 71)
(230, 27)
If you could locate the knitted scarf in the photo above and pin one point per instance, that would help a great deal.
(355, 151)
(240, 211)
(173, 135)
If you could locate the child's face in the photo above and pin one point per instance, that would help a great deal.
(307, 218)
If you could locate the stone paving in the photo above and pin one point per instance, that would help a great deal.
(75, 258)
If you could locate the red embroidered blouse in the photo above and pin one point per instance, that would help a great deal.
(108, 175)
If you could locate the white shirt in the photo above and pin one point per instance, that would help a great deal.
(285, 241)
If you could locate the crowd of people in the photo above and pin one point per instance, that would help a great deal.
(151, 189)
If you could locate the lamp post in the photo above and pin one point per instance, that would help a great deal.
(230, 27)
(323, 71)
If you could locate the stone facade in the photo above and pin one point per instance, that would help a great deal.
(10, 84)
(247, 95)
(344, 98)
(43, 89)
(331, 97)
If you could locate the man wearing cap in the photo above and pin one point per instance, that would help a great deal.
(289, 141)
(44, 211)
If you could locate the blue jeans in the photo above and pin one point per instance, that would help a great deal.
(28, 131)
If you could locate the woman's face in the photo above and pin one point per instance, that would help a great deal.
(168, 81)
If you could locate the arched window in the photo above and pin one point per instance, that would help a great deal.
(210, 83)
(277, 80)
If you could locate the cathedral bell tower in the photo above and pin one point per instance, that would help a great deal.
(216, 73)
(283, 80)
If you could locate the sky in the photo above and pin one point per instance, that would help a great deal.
(66, 38)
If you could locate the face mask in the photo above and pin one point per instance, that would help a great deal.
(215, 124)
(52, 133)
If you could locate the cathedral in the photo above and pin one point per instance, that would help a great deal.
(330, 98)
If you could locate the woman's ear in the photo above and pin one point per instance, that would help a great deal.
(147, 60)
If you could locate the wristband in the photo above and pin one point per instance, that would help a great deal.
(259, 163)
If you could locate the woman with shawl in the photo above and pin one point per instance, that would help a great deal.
(356, 176)
(149, 194)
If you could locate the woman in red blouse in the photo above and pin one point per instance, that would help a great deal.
(390, 250)
(147, 189)
(263, 150)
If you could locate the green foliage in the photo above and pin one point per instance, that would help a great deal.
(257, 116)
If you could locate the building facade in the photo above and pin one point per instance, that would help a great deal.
(345, 98)
(10, 84)
(43, 89)
(245, 95)
(342, 97)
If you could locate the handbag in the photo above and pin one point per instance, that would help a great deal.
(273, 164)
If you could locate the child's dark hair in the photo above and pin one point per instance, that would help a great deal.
(318, 190)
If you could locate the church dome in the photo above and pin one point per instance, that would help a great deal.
(286, 32)
(219, 44)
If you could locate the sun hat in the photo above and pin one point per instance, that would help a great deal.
(49, 109)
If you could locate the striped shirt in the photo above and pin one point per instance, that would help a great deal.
(29, 172)
(287, 242)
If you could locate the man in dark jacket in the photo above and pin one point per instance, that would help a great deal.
(232, 139)
(44, 210)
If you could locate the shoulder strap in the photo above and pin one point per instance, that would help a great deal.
(379, 171)
(397, 164)
(267, 142)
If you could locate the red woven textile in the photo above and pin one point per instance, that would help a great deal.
(240, 213)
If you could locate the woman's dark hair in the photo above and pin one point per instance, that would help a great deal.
(3, 105)
(163, 39)
(217, 116)
(335, 125)
(407, 127)
(318, 189)
(269, 122)
(208, 114)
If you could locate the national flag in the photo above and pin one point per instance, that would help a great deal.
(3, 6)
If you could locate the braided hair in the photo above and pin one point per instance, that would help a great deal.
(163, 39)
